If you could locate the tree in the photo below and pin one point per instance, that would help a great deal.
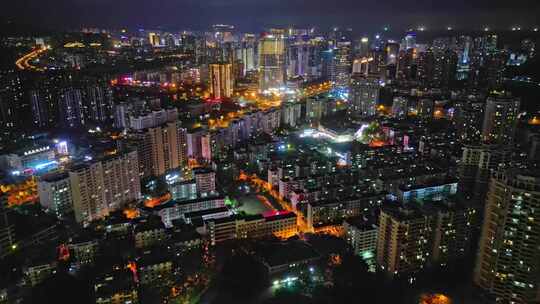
(243, 277)
(353, 280)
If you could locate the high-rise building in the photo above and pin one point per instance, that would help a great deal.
(404, 240)
(71, 108)
(205, 180)
(271, 61)
(361, 234)
(342, 65)
(469, 122)
(424, 108)
(104, 185)
(399, 107)
(198, 145)
(298, 54)
(362, 47)
(364, 95)
(414, 237)
(508, 258)
(98, 103)
(223, 33)
(162, 148)
(11, 100)
(247, 53)
(54, 192)
(500, 119)
(154, 39)
(409, 41)
(477, 164)
(221, 80)
(314, 109)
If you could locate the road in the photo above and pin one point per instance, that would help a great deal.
(23, 63)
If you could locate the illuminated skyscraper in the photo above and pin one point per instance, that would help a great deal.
(154, 39)
(500, 119)
(392, 55)
(11, 95)
(298, 58)
(364, 95)
(221, 80)
(508, 258)
(362, 47)
(413, 237)
(342, 65)
(162, 148)
(409, 41)
(104, 185)
(247, 53)
(223, 33)
(469, 122)
(271, 61)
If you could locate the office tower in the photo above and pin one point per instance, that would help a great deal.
(364, 95)
(508, 258)
(162, 148)
(476, 165)
(71, 108)
(221, 80)
(104, 185)
(54, 192)
(271, 61)
(342, 65)
(500, 119)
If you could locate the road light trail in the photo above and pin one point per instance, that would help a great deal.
(23, 63)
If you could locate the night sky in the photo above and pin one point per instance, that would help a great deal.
(253, 15)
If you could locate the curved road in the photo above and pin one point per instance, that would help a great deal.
(23, 63)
